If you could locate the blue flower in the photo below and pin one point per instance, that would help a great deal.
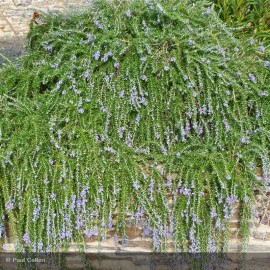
(252, 77)
(36, 214)
(231, 200)
(110, 149)
(106, 56)
(122, 94)
(136, 185)
(207, 12)
(26, 239)
(81, 110)
(143, 59)
(185, 77)
(237, 74)
(92, 232)
(190, 42)
(86, 74)
(190, 85)
(128, 13)
(226, 124)
(98, 24)
(213, 214)
(90, 37)
(53, 196)
(251, 41)
(10, 205)
(244, 140)
(262, 49)
(40, 246)
(263, 94)
(258, 114)
(96, 55)
(143, 78)
(49, 48)
(50, 161)
(164, 150)
(5, 247)
(138, 118)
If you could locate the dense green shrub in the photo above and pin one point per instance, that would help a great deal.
(122, 105)
(251, 16)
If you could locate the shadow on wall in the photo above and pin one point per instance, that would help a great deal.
(11, 49)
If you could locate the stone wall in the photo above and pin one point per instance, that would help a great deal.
(136, 252)
(15, 15)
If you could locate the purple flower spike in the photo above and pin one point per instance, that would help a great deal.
(87, 74)
(122, 94)
(136, 185)
(26, 239)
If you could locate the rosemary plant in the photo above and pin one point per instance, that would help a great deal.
(115, 109)
(252, 17)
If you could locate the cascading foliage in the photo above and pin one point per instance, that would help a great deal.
(116, 109)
